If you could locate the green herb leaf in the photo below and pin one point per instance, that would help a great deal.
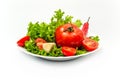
(96, 38)
(78, 23)
(81, 51)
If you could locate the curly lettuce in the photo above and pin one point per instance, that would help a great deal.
(46, 31)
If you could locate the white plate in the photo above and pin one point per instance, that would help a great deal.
(56, 58)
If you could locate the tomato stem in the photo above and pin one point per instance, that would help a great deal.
(69, 29)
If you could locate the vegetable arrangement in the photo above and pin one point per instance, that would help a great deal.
(60, 37)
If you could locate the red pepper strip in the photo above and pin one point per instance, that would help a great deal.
(21, 42)
(85, 27)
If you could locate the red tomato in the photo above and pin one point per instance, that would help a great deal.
(21, 42)
(40, 45)
(39, 42)
(68, 51)
(90, 44)
(69, 35)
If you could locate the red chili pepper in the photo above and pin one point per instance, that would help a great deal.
(85, 27)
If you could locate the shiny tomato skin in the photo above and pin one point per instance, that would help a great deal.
(68, 51)
(39, 43)
(21, 42)
(40, 40)
(68, 38)
(90, 44)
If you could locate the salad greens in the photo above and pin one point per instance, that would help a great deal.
(46, 31)
(96, 38)
(31, 47)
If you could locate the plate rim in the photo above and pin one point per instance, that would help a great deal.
(51, 57)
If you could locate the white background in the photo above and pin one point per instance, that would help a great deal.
(105, 19)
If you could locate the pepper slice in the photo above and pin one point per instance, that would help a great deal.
(21, 42)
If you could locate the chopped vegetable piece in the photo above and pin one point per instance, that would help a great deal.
(39, 42)
(90, 44)
(21, 42)
(68, 51)
(48, 46)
